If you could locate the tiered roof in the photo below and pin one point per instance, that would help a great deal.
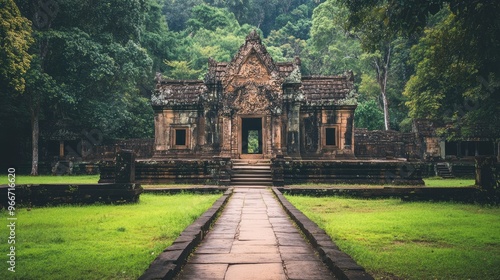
(317, 90)
(177, 92)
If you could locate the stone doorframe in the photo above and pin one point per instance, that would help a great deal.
(264, 137)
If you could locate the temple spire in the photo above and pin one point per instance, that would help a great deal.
(253, 36)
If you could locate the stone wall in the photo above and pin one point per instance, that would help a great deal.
(215, 171)
(314, 123)
(385, 144)
(352, 172)
(143, 148)
(57, 194)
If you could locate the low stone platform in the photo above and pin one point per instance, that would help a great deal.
(224, 171)
(60, 194)
(457, 194)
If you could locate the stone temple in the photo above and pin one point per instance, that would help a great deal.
(254, 121)
(254, 108)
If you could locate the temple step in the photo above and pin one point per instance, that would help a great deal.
(444, 171)
(251, 173)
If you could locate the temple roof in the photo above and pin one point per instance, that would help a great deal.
(254, 62)
(177, 92)
(326, 89)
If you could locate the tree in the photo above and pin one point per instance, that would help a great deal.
(178, 12)
(238, 7)
(182, 70)
(446, 85)
(377, 40)
(15, 61)
(88, 68)
(458, 75)
(210, 18)
(156, 38)
(214, 33)
(15, 40)
(368, 115)
(332, 48)
(290, 38)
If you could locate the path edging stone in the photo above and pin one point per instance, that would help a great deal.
(170, 261)
(341, 264)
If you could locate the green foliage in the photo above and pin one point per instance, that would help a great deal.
(456, 60)
(177, 13)
(182, 70)
(394, 239)
(368, 88)
(15, 40)
(89, 66)
(447, 85)
(47, 179)
(156, 37)
(253, 142)
(369, 115)
(210, 18)
(453, 183)
(332, 49)
(194, 48)
(101, 241)
(92, 64)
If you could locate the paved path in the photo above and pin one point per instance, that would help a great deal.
(254, 239)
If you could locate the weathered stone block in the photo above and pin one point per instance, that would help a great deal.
(125, 167)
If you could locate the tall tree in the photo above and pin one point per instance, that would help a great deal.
(377, 41)
(466, 57)
(88, 67)
(448, 86)
(15, 60)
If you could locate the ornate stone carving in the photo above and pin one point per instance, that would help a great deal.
(251, 101)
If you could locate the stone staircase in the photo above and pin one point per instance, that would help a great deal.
(443, 170)
(251, 173)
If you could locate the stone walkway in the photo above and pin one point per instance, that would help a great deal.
(254, 239)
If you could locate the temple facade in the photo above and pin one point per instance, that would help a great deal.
(255, 108)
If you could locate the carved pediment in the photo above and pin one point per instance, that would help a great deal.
(252, 62)
(252, 81)
(251, 71)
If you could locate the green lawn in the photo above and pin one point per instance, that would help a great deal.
(411, 240)
(99, 241)
(440, 182)
(48, 179)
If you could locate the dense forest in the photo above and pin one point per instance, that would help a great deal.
(70, 67)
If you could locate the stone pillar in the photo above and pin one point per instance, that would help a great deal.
(293, 137)
(486, 173)
(277, 169)
(160, 127)
(222, 171)
(226, 136)
(276, 136)
(125, 167)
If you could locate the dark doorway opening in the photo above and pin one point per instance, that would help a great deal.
(251, 135)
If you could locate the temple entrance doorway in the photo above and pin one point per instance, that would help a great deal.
(251, 138)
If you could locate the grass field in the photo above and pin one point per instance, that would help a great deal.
(100, 241)
(48, 179)
(440, 182)
(394, 239)
(78, 179)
